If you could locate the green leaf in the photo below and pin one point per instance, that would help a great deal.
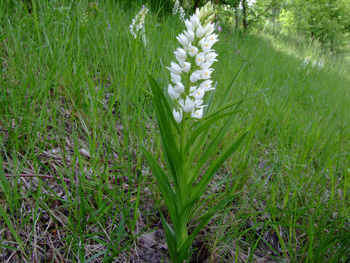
(162, 180)
(170, 146)
(224, 97)
(204, 221)
(212, 147)
(210, 172)
(170, 237)
(205, 125)
(228, 105)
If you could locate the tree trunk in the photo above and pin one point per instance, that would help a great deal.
(245, 20)
(196, 4)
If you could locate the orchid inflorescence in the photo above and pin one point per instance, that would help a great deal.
(315, 64)
(138, 21)
(194, 61)
(178, 9)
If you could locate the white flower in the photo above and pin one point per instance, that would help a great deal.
(186, 66)
(175, 78)
(195, 20)
(172, 94)
(190, 35)
(195, 76)
(200, 58)
(213, 38)
(188, 105)
(198, 103)
(175, 68)
(178, 9)
(193, 88)
(206, 65)
(208, 29)
(206, 85)
(201, 41)
(210, 57)
(183, 40)
(200, 32)
(177, 115)
(205, 74)
(180, 54)
(197, 114)
(179, 87)
(189, 25)
(198, 94)
(206, 46)
(192, 51)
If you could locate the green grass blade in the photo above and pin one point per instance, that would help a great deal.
(12, 230)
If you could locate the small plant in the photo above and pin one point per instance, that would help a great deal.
(184, 130)
(177, 9)
(137, 23)
(315, 64)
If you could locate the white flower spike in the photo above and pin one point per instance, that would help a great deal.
(195, 59)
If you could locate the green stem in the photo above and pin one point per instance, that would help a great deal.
(182, 234)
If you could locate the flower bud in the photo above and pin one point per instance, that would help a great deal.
(179, 87)
(195, 76)
(188, 105)
(175, 68)
(189, 25)
(180, 54)
(175, 78)
(209, 19)
(200, 32)
(195, 21)
(190, 35)
(182, 39)
(177, 115)
(208, 29)
(172, 94)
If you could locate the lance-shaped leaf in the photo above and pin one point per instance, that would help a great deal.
(204, 126)
(162, 180)
(185, 248)
(170, 237)
(210, 172)
(165, 121)
(213, 146)
(225, 95)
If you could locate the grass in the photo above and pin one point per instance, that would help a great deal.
(75, 105)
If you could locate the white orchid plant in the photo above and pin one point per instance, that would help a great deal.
(137, 25)
(191, 155)
(177, 9)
